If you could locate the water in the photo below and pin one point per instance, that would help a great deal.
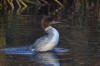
(79, 33)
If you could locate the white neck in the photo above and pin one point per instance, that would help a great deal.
(53, 37)
(52, 32)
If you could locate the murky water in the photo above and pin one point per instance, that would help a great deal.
(79, 33)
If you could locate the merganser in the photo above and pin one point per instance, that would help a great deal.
(49, 41)
(45, 43)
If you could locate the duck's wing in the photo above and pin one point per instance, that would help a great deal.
(40, 42)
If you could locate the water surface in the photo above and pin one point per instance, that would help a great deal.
(79, 33)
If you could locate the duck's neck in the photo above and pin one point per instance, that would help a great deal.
(51, 31)
(53, 34)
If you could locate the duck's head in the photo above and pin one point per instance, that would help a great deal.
(47, 21)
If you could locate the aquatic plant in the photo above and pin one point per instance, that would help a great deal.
(20, 3)
(0, 6)
(2, 34)
(35, 2)
(57, 9)
(77, 5)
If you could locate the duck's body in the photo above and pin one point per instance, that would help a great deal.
(47, 42)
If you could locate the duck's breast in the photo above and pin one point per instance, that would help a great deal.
(53, 40)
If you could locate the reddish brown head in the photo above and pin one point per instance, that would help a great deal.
(48, 21)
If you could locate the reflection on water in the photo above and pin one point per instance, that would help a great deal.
(46, 58)
(25, 50)
(19, 6)
(42, 58)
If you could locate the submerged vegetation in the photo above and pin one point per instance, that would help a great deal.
(0, 6)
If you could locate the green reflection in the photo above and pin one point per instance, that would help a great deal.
(0, 6)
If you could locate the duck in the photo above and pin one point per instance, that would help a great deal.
(47, 42)
(43, 44)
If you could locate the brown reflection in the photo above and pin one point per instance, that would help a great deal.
(2, 33)
(2, 58)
